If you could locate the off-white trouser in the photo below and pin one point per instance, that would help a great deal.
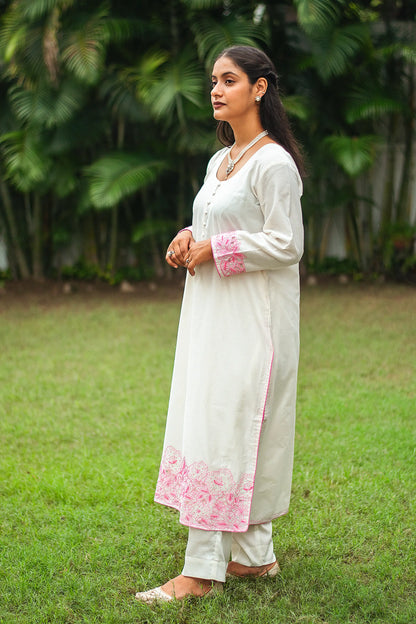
(208, 552)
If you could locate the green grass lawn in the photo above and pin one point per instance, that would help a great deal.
(84, 385)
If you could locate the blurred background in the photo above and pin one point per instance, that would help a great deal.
(106, 128)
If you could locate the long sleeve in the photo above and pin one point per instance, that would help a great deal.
(280, 243)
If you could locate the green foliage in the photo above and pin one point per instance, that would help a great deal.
(152, 227)
(213, 36)
(180, 80)
(116, 176)
(334, 266)
(297, 106)
(25, 158)
(5, 276)
(35, 9)
(363, 103)
(83, 271)
(397, 250)
(353, 154)
(197, 5)
(334, 50)
(317, 15)
(46, 106)
(105, 116)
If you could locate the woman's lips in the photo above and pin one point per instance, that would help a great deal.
(218, 104)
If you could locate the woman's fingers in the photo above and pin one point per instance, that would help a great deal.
(181, 250)
(190, 264)
(198, 253)
(171, 257)
(178, 250)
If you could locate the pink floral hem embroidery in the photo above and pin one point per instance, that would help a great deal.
(227, 255)
(206, 499)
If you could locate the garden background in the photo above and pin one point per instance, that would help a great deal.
(106, 128)
(105, 132)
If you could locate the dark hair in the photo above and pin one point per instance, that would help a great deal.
(256, 64)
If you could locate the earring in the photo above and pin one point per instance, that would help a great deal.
(257, 98)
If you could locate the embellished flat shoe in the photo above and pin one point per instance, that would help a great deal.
(158, 595)
(153, 595)
(270, 570)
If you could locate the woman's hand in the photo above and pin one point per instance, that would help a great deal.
(198, 253)
(179, 248)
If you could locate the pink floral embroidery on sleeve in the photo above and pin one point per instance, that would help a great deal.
(227, 255)
(206, 499)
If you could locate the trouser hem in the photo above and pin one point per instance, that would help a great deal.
(204, 569)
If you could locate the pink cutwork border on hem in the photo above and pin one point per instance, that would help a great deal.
(206, 499)
(226, 250)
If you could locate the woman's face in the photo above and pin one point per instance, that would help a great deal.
(232, 95)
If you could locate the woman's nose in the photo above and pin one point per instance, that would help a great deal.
(215, 89)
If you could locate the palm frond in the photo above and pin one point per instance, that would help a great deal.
(213, 36)
(180, 80)
(63, 177)
(408, 53)
(401, 50)
(147, 72)
(120, 30)
(84, 49)
(12, 35)
(118, 175)
(152, 227)
(316, 15)
(118, 92)
(353, 154)
(45, 105)
(366, 103)
(196, 140)
(198, 5)
(34, 9)
(22, 50)
(335, 49)
(297, 106)
(27, 165)
(81, 131)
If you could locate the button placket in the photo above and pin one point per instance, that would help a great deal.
(205, 218)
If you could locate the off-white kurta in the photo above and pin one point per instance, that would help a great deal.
(228, 450)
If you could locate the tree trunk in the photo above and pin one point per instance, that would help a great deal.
(13, 232)
(37, 238)
(112, 256)
(180, 213)
(388, 193)
(353, 232)
(326, 227)
(158, 266)
(89, 240)
(404, 199)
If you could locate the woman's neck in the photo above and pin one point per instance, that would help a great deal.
(245, 133)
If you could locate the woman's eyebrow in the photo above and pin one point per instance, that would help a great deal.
(226, 74)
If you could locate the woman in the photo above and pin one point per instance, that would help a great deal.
(228, 452)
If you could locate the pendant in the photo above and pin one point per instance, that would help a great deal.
(230, 167)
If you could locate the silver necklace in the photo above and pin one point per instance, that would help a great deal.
(232, 163)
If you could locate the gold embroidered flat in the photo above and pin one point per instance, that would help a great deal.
(158, 595)
(153, 595)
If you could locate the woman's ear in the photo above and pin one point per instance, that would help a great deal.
(261, 86)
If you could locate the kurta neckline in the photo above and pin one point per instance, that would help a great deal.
(246, 163)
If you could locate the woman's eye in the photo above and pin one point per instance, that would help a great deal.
(229, 81)
(213, 84)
